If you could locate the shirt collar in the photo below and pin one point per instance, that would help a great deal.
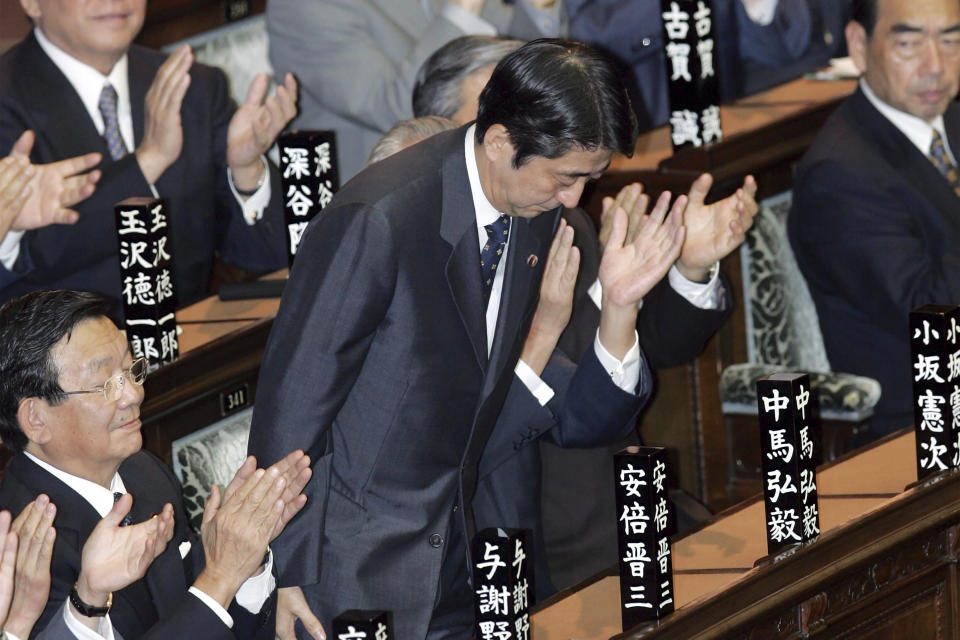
(87, 81)
(917, 130)
(485, 211)
(99, 498)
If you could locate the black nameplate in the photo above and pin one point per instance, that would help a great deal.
(236, 9)
(146, 274)
(309, 177)
(691, 57)
(643, 527)
(363, 625)
(502, 580)
(789, 450)
(234, 400)
(936, 387)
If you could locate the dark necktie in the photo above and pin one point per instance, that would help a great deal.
(111, 126)
(941, 160)
(127, 520)
(491, 253)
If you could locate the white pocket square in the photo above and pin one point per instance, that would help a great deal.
(184, 549)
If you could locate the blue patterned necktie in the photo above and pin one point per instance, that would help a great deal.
(941, 160)
(127, 520)
(497, 234)
(111, 125)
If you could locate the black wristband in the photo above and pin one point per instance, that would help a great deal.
(89, 610)
(247, 193)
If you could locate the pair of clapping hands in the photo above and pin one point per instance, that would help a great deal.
(639, 248)
(237, 527)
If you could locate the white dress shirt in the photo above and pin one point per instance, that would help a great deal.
(251, 596)
(88, 83)
(917, 130)
(624, 373)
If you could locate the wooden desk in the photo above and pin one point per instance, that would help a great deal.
(885, 566)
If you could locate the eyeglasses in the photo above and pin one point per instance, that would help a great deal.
(112, 388)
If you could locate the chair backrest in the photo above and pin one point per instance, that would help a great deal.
(782, 325)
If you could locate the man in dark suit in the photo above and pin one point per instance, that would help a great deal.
(70, 398)
(874, 221)
(388, 356)
(164, 126)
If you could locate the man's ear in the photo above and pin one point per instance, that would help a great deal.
(497, 144)
(32, 416)
(31, 8)
(857, 44)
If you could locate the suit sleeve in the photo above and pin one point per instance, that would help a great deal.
(340, 288)
(875, 255)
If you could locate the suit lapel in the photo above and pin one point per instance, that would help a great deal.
(458, 227)
(139, 76)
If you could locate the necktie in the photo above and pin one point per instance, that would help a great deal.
(111, 126)
(941, 160)
(127, 520)
(497, 234)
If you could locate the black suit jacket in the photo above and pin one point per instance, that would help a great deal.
(204, 215)
(377, 366)
(158, 606)
(876, 232)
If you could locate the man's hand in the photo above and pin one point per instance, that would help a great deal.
(714, 230)
(629, 270)
(631, 199)
(235, 534)
(255, 126)
(35, 535)
(114, 557)
(291, 606)
(49, 190)
(556, 300)
(163, 130)
(8, 564)
(296, 472)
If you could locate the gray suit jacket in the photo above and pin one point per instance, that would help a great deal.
(356, 61)
(377, 366)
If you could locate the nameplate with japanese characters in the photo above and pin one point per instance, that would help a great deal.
(308, 179)
(789, 451)
(689, 48)
(146, 275)
(643, 528)
(936, 387)
(502, 583)
(363, 625)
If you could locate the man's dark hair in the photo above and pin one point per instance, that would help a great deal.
(29, 328)
(865, 12)
(555, 95)
(437, 89)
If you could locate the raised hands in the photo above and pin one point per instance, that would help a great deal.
(294, 469)
(292, 606)
(35, 535)
(254, 127)
(556, 299)
(163, 130)
(714, 230)
(34, 196)
(115, 556)
(8, 565)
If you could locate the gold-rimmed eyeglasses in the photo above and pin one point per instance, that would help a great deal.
(112, 388)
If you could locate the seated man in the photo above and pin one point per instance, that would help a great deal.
(70, 396)
(164, 126)
(874, 218)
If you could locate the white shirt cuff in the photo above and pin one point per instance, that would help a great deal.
(596, 294)
(253, 206)
(623, 373)
(10, 250)
(760, 11)
(79, 630)
(255, 591)
(534, 383)
(214, 606)
(703, 295)
(467, 22)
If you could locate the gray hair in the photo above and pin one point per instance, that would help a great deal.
(408, 132)
(437, 89)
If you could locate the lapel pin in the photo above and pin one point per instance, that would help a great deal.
(532, 260)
